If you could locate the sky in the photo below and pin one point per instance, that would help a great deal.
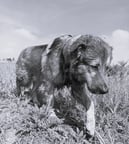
(25, 23)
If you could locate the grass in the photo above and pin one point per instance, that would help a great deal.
(22, 123)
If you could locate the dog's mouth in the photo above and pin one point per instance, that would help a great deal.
(97, 90)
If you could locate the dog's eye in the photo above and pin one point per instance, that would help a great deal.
(95, 66)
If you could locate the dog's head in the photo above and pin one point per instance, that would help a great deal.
(89, 57)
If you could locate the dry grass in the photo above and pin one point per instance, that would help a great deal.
(22, 123)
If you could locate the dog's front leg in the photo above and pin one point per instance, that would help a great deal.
(80, 94)
(90, 124)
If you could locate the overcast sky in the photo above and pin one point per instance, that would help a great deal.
(28, 22)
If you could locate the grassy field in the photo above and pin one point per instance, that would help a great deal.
(22, 123)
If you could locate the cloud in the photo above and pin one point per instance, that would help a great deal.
(119, 39)
(14, 38)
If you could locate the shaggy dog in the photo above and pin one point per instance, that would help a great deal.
(74, 61)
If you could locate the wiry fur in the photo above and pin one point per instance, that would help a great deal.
(68, 61)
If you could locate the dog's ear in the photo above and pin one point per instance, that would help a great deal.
(109, 57)
(110, 49)
(54, 61)
(78, 51)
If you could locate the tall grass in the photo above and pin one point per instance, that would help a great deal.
(22, 123)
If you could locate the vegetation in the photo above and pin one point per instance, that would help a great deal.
(23, 123)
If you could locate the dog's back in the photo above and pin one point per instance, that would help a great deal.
(28, 65)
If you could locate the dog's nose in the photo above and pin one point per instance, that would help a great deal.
(104, 89)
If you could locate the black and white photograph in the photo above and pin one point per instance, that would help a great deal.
(64, 72)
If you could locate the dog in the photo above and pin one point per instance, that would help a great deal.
(78, 62)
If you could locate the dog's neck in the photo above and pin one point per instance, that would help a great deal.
(79, 92)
